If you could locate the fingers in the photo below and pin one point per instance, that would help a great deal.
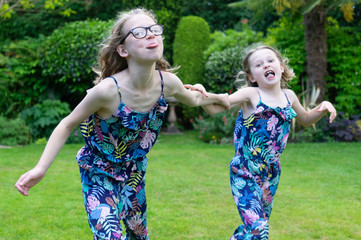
(20, 185)
(188, 86)
(332, 116)
(197, 88)
(22, 188)
(328, 107)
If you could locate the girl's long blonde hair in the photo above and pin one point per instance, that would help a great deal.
(109, 61)
(242, 79)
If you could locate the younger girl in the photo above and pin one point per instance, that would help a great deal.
(260, 134)
(120, 118)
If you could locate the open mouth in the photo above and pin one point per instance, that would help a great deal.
(269, 73)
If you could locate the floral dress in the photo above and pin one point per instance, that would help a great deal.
(255, 169)
(113, 163)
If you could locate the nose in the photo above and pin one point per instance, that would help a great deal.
(150, 34)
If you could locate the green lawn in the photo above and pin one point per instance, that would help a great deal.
(188, 193)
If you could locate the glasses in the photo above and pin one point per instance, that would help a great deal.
(141, 32)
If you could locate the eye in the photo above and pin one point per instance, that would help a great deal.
(271, 60)
(258, 65)
(138, 32)
(156, 29)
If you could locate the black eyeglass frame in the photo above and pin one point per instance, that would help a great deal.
(146, 32)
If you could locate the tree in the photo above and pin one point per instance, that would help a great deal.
(9, 7)
(315, 14)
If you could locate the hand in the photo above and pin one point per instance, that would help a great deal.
(197, 87)
(326, 106)
(224, 100)
(28, 180)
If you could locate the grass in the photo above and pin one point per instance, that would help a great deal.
(188, 193)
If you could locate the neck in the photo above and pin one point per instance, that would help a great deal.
(141, 76)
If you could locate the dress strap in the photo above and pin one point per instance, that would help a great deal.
(259, 95)
(286, 97)
(116, 83)
(161, 79)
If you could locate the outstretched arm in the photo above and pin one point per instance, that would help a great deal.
(307, 118)
(174, 87)
(241, 96)
(90, 104)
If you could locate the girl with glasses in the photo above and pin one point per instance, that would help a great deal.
(120, 118)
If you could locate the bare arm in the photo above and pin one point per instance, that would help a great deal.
(235, 99)
(175, 88)
(89, 105)
(307, 118)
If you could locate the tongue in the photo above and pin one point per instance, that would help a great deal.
(270, 76)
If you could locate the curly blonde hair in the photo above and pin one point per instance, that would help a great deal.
(242, 79)
(109, 61)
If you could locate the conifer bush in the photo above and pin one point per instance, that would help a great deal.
(192, 38)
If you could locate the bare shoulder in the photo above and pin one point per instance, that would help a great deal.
(291, 95)
(244, 95)
(105, 90)
(172, 84)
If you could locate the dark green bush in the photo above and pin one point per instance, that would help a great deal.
(344, 68)
(13, 132)
(224, 58)
(231, 38)
(191, 40)
(222, 68)
(71, 51)
(21, 83)
(43, 117)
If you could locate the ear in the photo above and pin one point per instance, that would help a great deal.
(122, 51)
(250, 78)
(282, 68)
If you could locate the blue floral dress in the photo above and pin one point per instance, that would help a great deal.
(255, 169)
(113, 163)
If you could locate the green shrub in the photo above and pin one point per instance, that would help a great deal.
(231, 38)
(21, 83)
(13, 132)
(224, 58)
(71, 51)
(191, 40)
(43, 117)
(217, 129)
(344, 66)
(222, 68)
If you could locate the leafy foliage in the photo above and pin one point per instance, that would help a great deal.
(13, 132)
(345, 129)
(70, 52)
(191, 39)
(219, 128)
(216, 12)
(224, 58)
(8, 8)
(21, 83)
(344, 81)
(43, 117)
